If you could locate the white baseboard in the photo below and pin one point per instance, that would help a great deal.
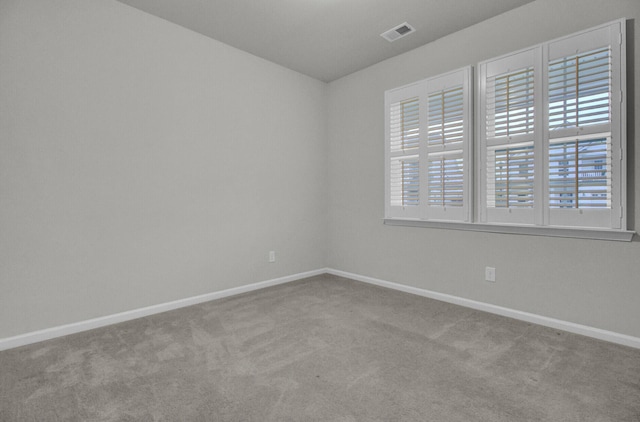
(571, 327)
(63, 330)
(76, 327)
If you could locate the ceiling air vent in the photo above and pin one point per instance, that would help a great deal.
(398, 32)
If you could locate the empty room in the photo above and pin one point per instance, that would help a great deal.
(319, 210)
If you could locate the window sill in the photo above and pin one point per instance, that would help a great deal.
(578, 233)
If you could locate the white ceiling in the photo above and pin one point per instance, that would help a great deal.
(325, 39)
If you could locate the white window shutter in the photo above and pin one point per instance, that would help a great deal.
(510, 141)
(448, 148)
(428, 148)
(405, 181)
(403, 109)
(446, 180)
(584, 184)
(510, 103)
(580, 90)
(510, 177)
(446, 115)
(580, 174)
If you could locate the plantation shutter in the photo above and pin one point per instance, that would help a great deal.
(405, 181)
(510, 181)
(446, 180)
(580, 90)
(510, 145)
(584, 180)
(447, 169)
(580, 174)
(403, 132)
(510, 103)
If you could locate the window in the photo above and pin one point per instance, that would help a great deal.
(510, 138)
(550, 139)
(552, 133)
(403, 151)
(584, 133)
(428, 129)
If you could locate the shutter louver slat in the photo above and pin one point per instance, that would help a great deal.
(510, 107)
(580, 174)
(510, 104)
(446, 129)
(580, 90)
(404, 142)
(405, 125)
(510, 177)
(446, 180)
(446, 117)
(405, 181)
(580, 170)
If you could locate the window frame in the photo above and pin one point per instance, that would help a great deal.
(615, 218)
(513, 62)
(542, 223)
(422, 90)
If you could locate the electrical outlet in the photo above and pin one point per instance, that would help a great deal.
(272, 256)
(490, 274)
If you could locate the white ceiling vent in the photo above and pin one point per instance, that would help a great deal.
(398, 32)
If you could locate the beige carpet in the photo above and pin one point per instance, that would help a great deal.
(321, 349)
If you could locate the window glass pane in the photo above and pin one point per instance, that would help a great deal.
(446, 180)
(580, 174)
(510, 177)
(510, 104)
(405, 182)
(580, 90)
(405, 125)
(446, 117)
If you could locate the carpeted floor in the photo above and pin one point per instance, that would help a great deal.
(321, 349)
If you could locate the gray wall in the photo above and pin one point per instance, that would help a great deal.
(589, 282)
(142, 163)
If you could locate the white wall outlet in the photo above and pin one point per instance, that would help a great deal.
(490, 274)
(272, 256)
